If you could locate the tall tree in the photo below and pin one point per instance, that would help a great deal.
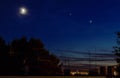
(31, 58)
(3, 57)
(41, 62)
(117, 54)
(19, 47)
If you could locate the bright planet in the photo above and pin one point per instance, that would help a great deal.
(23, 11)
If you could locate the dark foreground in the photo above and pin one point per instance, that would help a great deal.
(53, 77)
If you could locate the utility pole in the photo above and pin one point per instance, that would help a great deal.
(91, 22)
(68, 62)
(89, 61)
(97, 70)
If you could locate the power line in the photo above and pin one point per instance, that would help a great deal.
(83, 52)
(86, 59)
(84, 56)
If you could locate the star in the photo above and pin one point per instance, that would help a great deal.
(90, 21)
(70, 14)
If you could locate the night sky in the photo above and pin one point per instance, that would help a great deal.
(63, 24)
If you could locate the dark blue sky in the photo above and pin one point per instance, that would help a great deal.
(63, 24)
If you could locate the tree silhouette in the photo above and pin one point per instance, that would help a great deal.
(19, 47)
(40, 61)
(23, 57)
(3, 57)
(31, 58)
(117, 54)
